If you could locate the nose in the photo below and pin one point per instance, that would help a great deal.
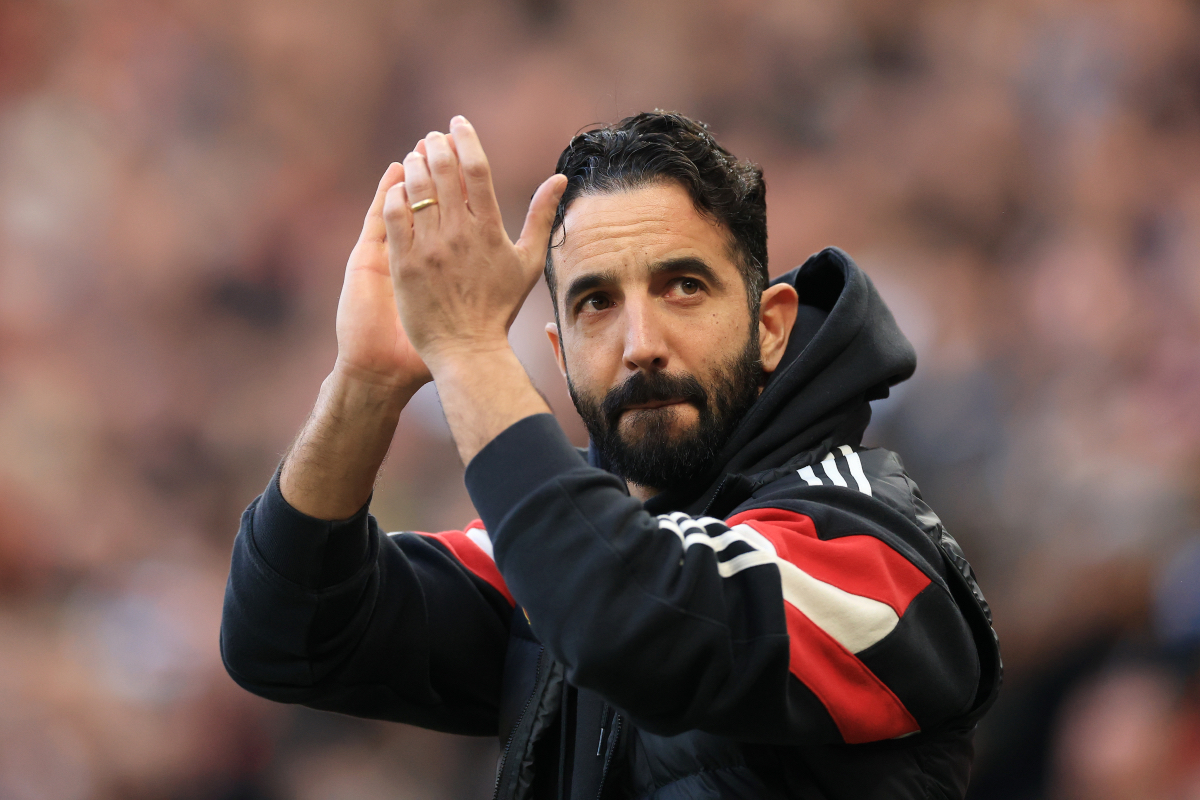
(645, 345)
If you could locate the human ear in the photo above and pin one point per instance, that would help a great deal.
(778, 314)
(552, 335)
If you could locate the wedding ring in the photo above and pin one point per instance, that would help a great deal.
(426, 203)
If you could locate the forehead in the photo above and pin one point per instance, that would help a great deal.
(633, 228)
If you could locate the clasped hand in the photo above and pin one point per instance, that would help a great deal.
(458, 279)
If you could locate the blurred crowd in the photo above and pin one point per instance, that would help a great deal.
(181, 182)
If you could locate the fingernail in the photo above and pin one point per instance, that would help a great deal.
(432, 134)
(458, 119)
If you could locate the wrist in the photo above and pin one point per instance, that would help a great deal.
(484, 390)
(455, 354)
(371, 388)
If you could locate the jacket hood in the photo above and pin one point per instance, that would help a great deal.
(844, 350)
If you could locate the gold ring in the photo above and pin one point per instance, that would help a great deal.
(426, 203)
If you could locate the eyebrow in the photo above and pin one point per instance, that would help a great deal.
(585, 283)
(697, 266)
(593, 280)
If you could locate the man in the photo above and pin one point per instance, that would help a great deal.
(727, 599)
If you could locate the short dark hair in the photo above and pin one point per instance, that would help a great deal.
(658, 146)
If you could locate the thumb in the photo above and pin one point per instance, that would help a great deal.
(536, 233)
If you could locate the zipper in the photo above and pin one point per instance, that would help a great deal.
(716, 494)
(504, 755)
(612, 748)
(733, 490)
(603, 715)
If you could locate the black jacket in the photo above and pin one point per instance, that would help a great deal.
(801, 625)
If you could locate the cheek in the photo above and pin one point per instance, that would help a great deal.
(596, 348)
(712, 339)
(589, 368)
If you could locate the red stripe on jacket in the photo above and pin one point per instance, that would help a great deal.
(862, 706)
(859, 564)
(473, 557)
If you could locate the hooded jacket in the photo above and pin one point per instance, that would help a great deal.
(799, 624)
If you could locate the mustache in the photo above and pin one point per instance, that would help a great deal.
(642, 387)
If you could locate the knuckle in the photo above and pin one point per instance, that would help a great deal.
(441, 164)
(458, 244)
(435, 253)
(476, 169)
(393, 210)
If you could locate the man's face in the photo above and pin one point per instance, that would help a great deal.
(657, 344)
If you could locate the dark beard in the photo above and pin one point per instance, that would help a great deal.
(654, 458)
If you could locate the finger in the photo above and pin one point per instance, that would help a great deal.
(443, 167)
(421, 145)
(374, 229)
(419, 185)
(476, 172)
(536, 233)
(397, 217)
(461, 181)
(449, 139)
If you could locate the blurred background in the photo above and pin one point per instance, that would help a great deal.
(181, 182)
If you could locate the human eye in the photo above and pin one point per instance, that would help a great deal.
(686, 287)
(593, 303)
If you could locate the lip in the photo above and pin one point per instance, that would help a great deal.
(654, 404)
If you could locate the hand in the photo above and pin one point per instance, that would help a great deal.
(458, 279)
(372, 345)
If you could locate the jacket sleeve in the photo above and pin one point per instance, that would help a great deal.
(823, 616)
(338, 616)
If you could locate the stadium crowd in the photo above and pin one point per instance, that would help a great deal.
(181, 182)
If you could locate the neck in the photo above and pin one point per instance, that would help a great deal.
(641, 492)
